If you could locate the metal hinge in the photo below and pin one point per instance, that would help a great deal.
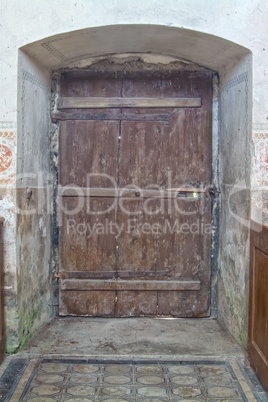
(213, 191)
(56, 276)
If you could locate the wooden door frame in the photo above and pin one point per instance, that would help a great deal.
(215, 185)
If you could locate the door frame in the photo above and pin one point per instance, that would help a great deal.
(215, 194)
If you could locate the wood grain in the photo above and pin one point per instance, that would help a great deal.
(112, 114)
(72, 191)
(2, 301)
(151, 133)
(258, 302)
(101, 103)
(120, 284)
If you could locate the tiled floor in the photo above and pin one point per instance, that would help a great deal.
(47, 380)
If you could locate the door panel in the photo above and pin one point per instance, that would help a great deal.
(258, 302)
(84, 245)
(134, 237)
(93, 303)
(181, 146)
(136, 303)
(171, 245)
(88, 153)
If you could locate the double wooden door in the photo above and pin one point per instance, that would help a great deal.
(134, 202)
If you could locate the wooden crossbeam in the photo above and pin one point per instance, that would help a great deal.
(102, 103)
(106, 284)
(67, 191)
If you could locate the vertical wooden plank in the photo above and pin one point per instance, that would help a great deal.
(87, 241)
(138, 256)
(136, 304)
(88, 158)
(90, 83)
(180, 149)
(260, 329)
(163, 155)
(92, 304)
(88, 245)
(188, 249)
(258, 302)
(88, 153)
(2, 305)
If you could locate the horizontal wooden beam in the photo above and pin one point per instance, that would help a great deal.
(103, 103)
(112, 114)
(125, 285)
(68, 191)
(162, 273)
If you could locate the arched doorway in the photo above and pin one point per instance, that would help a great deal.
(230, 126)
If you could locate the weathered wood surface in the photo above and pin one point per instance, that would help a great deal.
(102, 103)
(93, 303)
(160, 274)
(167, 167)
(125, 285)
(2, 301)
(88, 153)
(72, 191)
(86, 150)
(258, 302)
(113, 114)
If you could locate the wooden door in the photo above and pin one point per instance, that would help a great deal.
(135, 173)
(258, 302)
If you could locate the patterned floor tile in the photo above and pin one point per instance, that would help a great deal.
(71, 380)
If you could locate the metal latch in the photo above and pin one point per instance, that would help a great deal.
(213, 191)
(185, 194)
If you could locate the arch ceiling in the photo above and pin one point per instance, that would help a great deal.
(71, 47)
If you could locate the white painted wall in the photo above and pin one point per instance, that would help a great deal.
(25, 21)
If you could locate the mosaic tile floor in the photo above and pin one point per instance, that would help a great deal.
(82, 380)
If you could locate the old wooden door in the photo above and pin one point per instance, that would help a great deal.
(135, 208)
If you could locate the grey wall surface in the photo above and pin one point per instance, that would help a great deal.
(234, 179)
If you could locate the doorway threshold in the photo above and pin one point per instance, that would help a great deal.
(132, 338)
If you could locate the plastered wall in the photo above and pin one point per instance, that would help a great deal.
(33, 224)
(234, 182)
(24, 105)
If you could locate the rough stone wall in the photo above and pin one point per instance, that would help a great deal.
(25, 21)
